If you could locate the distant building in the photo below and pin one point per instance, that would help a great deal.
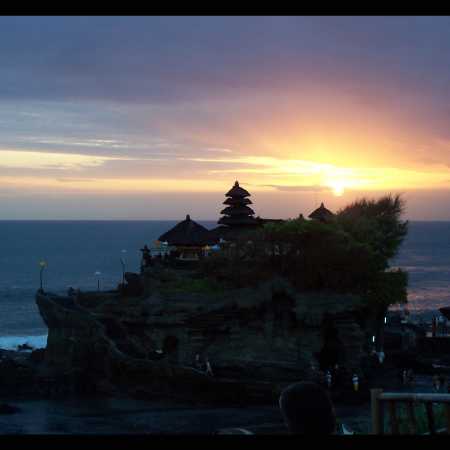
(321, 214)
(191, 240)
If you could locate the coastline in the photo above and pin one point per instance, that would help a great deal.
(11, 342)
(37, 341)
(126, 415)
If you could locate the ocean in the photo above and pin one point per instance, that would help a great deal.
(76, 250)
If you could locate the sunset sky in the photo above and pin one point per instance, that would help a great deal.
(156, 117)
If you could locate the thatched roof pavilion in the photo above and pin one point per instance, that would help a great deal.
(321, 214)
(187, 233)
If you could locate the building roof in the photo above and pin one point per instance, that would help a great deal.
(321, 213)
(187, 233)
(237, 191)
(237, 201)
(241, 210)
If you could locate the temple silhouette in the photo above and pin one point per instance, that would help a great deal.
(190, 241)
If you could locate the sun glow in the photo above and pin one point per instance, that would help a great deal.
(56, 172)
(304, 174)
(337, 187)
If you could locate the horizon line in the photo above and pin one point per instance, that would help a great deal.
(167, 220)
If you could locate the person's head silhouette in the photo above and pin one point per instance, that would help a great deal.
(307, 409)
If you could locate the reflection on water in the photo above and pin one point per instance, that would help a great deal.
(425, 255)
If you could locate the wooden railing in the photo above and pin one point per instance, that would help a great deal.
(380, 399)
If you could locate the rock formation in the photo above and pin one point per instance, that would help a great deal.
(257, 340)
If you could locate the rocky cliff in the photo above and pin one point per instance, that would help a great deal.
(257, 340)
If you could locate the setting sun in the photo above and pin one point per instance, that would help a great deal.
(337, 187)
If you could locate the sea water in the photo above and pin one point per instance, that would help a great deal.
(76, 250)
(79, 254)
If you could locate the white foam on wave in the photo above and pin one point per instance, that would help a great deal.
(12, 342)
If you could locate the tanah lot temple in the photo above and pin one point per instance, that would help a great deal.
(190, 241)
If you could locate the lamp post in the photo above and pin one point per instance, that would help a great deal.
(42, 265)
(122, 261)
(98, 273)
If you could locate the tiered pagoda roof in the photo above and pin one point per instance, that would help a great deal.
(237, 209)
(237, 213)
(237, 201)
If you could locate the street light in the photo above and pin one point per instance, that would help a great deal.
(98, 273)
(122, 261)
(42, 265)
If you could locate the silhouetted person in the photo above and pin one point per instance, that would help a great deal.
(71, 291)
(443, 381)
(307, 409)
(146, 256)
(436, 383)
(197, 362)
(403, 377)
(339, 376)
(208, 368)
(433, 326)
(328, 379)
(355, 382)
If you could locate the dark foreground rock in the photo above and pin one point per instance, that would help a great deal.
(5, 408)
(17, 373)
(24, 347)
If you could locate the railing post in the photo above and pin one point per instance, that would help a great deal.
(430, 417)
(377, 424)
(412, 417)
(447, 413)
(393, 414)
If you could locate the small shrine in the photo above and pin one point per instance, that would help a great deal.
(322, 214)
(189, 240)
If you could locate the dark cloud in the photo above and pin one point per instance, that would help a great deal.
(145, 59)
